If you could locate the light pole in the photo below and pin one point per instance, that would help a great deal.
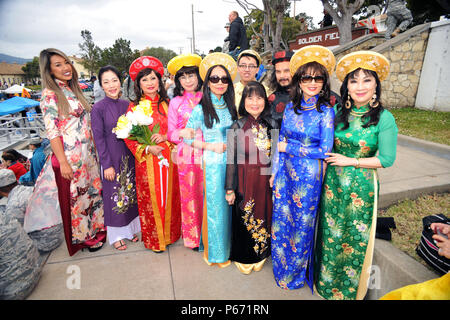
(193, 32)
(190, 41)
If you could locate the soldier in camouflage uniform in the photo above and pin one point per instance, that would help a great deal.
(18, 195)
(20, 261)
(398, 18)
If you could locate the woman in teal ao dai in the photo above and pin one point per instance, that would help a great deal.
(306, 135)
(214, 116)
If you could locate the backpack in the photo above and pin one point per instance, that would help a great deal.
(428, 250)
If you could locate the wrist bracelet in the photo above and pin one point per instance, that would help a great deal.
(357, 163)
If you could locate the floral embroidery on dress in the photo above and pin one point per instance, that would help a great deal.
(259, 235)
(261, 139)
(125, 195)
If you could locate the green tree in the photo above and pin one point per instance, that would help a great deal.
(427, 11)
(90, 53)
(159, 52)
(31, 69)
(273, 18)
(290, 27)
(120, 55)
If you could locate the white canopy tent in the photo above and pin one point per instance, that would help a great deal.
(15, 89)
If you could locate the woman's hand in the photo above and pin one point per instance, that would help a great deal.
(158, 138)
(282, 146)
(230, 197)
(218, 147)
(66, 170)
(187, 133)
(336, 159)
(154, 150)
(441, 241)
(109, 174)
(443, 228)
(272, 177)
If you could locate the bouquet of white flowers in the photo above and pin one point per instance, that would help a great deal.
(134, 125)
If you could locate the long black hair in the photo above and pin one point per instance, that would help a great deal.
(138, 91)
(178, 90)
(313, 68)
(254, 88)
(372, 116)
(209, 112)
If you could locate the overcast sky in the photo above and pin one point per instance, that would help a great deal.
(28, 26)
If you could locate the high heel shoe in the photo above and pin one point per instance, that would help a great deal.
(90, 249)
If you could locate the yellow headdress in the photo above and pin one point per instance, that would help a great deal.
(369, 60)
(183, 60)
(316, 53)
(218, 58)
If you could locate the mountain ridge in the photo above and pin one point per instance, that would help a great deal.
(11, 59)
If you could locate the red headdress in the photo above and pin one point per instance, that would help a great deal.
(145, 62)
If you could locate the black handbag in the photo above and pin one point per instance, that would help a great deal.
(384, 226)
(427, 248)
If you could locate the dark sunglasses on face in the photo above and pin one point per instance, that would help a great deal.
(216, 79)
(309, 79)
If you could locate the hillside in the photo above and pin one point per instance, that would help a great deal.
(10, 59)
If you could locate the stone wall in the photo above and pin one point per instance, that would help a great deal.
(406, 57)
(406, 54)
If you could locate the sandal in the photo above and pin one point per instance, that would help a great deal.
(96, 247)
(135, 239)
(120, 245)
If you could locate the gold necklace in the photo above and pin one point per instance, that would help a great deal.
(220, 106)
(358, 113)
(308, 108)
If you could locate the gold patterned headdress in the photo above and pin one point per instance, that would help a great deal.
(218, 58)
(183, 60)
(316, 53)
(252, 53)
(369, 60)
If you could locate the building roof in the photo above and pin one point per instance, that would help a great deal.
(11, 68)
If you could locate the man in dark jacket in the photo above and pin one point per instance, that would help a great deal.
(238, 35)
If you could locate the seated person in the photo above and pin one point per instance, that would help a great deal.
(20, 261)
(37, 162)
(10, 160)
(45, 239)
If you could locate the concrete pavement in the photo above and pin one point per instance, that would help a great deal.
(180, 273)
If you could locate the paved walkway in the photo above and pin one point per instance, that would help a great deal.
(180, 273)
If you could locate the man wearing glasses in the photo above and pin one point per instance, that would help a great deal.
(248, 63)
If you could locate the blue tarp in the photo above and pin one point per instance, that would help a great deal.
(16, 104)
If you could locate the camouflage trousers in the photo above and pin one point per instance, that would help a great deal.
(399, 18)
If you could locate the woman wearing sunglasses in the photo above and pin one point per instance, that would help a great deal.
(213, 117)
(306, 134)
(348, 208)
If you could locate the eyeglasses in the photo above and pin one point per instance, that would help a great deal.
(189, 76)
(216, 79)
(249, 67)
(309, 79)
